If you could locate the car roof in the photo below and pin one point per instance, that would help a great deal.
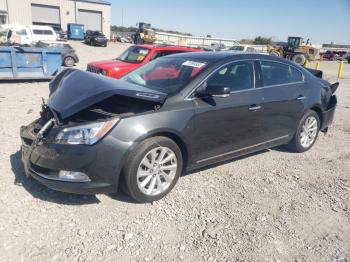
(213, 57)
(169, 47)
(40, 27)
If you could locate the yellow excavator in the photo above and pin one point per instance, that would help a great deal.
(144, 34)
(296, 50)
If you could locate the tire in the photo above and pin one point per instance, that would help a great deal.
(298, 143)
(69, 61)
(299, 59)
(275, 53)
(147, 183)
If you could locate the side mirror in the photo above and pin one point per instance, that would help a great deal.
(213, 90)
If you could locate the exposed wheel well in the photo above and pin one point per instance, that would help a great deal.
(319, 113)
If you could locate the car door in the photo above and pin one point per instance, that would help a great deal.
(227, 126)
(283, 92)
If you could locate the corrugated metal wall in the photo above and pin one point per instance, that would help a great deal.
(20, 11)
(3, 6)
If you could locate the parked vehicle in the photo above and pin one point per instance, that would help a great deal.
(347, 57)
(333, 55)
(28, 34)
(215, 47)
(242, 48)
(178, 113)
(69, 56)
(134, 57)
(95, 38)
(296, 50)
(144, 34)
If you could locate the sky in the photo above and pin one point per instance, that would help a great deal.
(323, 21)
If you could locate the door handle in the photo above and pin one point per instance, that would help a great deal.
(254, 107)
(301, 97)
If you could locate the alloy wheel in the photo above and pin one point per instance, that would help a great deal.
(308, 132)
(157, 171)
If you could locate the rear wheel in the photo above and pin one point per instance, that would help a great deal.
(152, 169)
(307, 132)
(275, 53)
(69, 61)
(299, 59)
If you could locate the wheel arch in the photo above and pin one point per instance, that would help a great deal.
(163, 133)
(318, 110)
(177, 139)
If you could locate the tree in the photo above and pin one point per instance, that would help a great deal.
(262, 41)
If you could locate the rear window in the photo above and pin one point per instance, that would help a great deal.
(37, 32)
(21, 32)
(42, 32)
(276, 73)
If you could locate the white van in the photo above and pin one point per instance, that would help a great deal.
(27, 34)
(42, 33)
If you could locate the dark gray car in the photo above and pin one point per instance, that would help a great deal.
(173, 115)
(69, 56)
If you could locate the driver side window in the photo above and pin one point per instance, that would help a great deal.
(236, 76)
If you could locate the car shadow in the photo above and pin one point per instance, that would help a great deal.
(41, 192)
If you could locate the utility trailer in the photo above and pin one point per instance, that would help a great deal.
(29, 63)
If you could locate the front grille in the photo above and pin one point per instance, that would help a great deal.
(93, 69)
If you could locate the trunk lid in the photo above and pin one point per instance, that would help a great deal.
(74, 90)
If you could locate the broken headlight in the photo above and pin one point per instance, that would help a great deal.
(88, 134)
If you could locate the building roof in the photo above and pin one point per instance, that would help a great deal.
(102, 2)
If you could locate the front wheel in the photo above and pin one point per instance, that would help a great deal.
(152, 169)
(307, 132)
(299, 59)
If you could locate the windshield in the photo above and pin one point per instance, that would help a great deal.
(134, 54)
(99, 34)
(168, 74)
(237, 48)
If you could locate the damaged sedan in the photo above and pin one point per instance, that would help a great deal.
(176, 114)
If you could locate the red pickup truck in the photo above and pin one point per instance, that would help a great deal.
(134, 57)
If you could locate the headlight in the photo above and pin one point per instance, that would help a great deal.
(85, 134)
(104, 72)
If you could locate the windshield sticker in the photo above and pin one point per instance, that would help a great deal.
(140, 58)
(193, 64)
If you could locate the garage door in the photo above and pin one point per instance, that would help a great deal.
(45, 15)
(92, 20)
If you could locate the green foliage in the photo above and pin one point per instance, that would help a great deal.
(123, 28)
(262, 41)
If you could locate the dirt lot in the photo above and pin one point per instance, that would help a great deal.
(272, 206)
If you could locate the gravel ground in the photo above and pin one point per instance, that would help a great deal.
(270, 206)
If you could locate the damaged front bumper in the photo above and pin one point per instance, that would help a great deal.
(44, 160)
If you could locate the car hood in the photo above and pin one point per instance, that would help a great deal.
(107, 64)
(74, 90)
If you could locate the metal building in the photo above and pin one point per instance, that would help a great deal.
(94, 14)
